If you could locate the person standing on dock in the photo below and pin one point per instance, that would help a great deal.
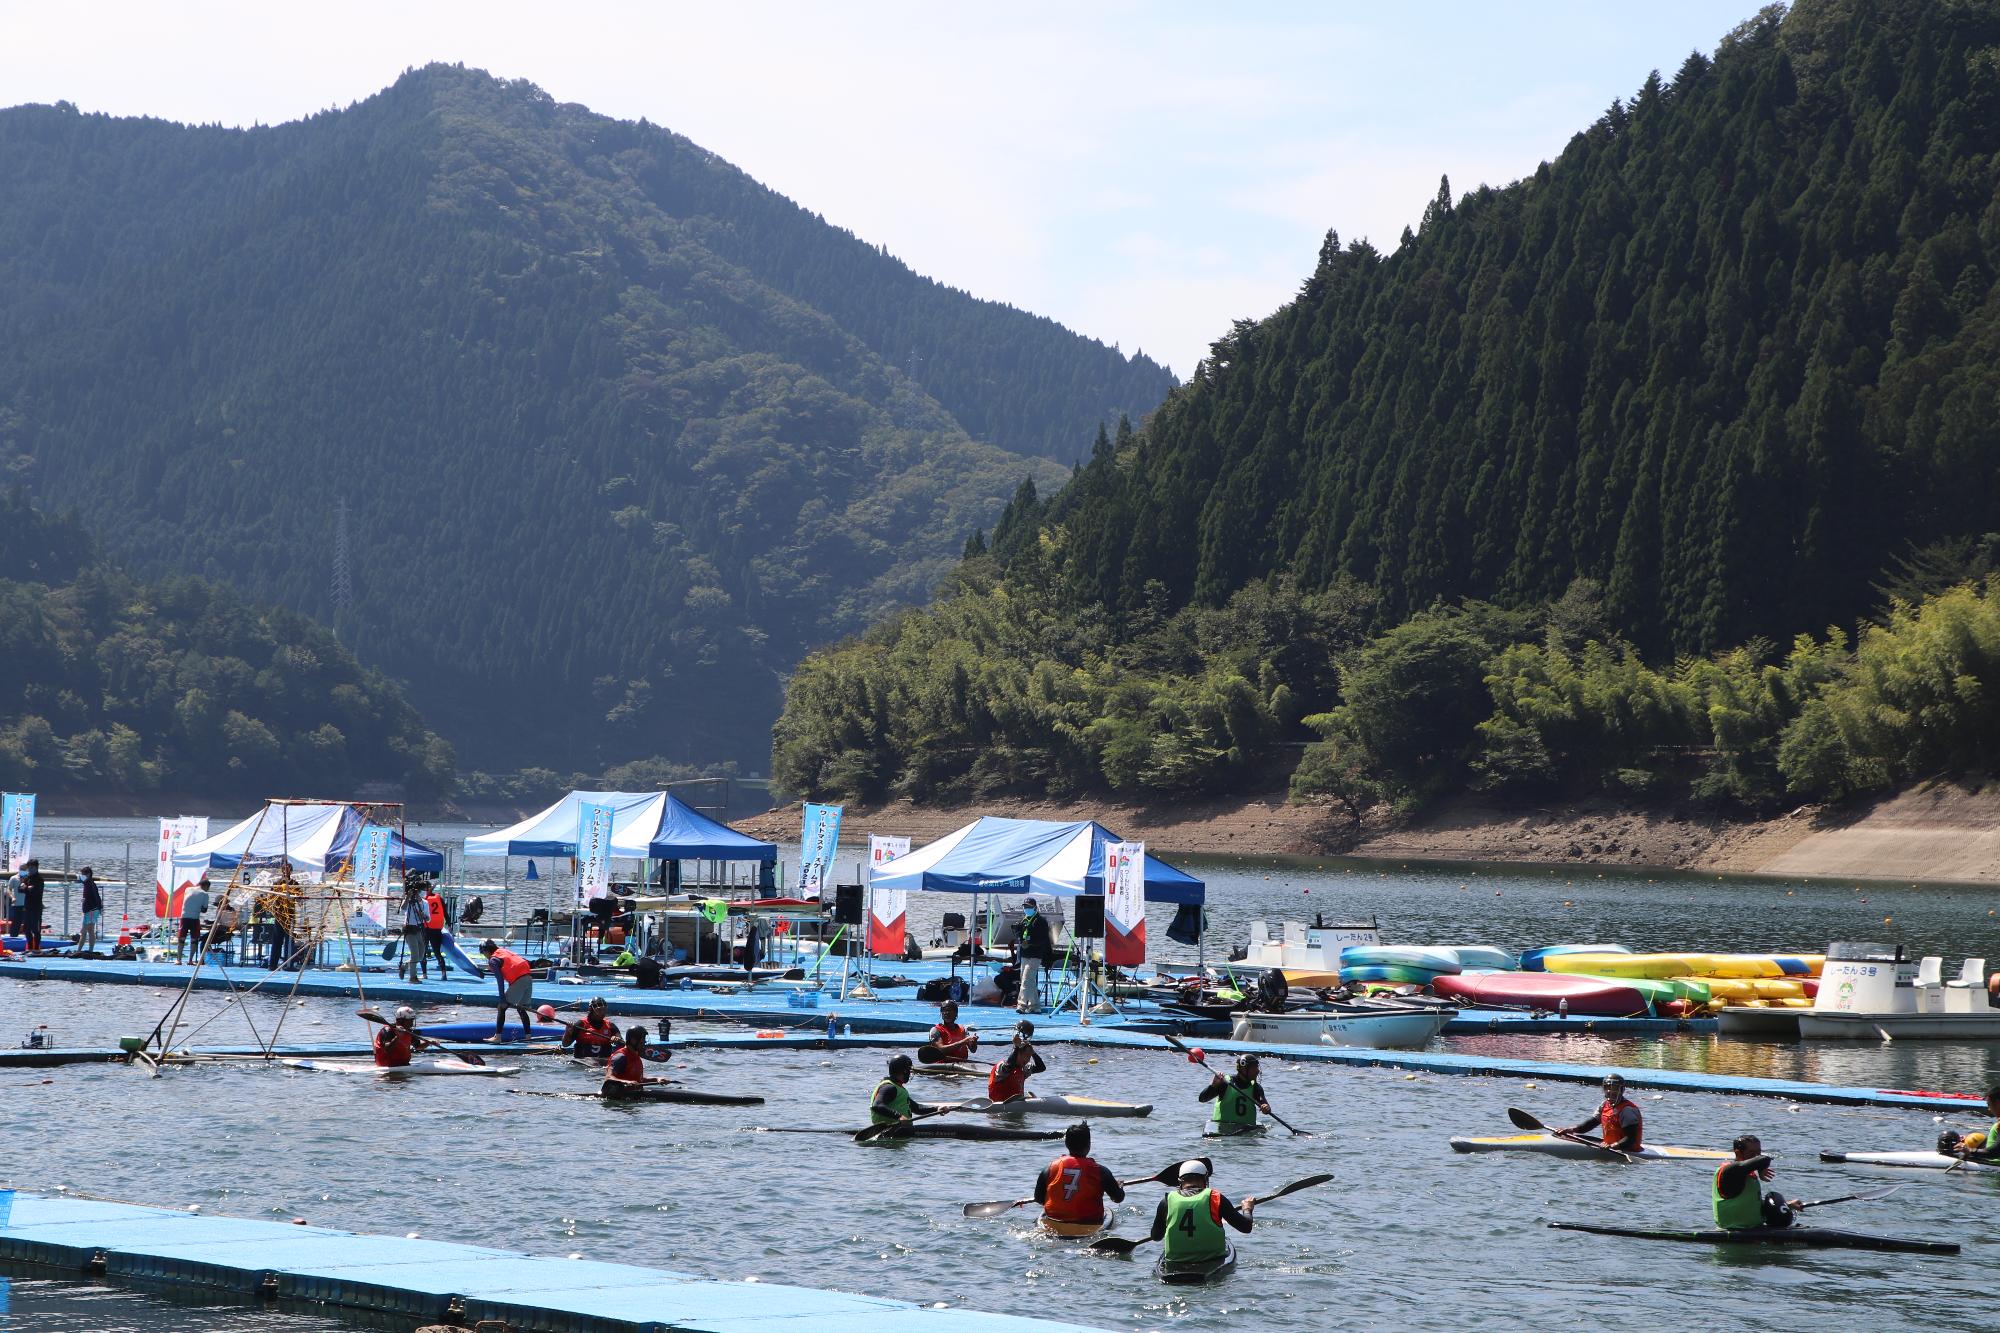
(32, 888)
(10, 898)
(415, 914)
(949, 1041)
(1038, 950)
(1237, 1098)
(93, 910)
(515, 976)
(1073, 1188)
(193, 903)
(892, 1101)
(395, 1041)
(434, 923)
(1733, 1194)
(1190, 1217)
(1618, 1121)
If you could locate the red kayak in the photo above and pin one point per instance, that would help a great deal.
(1596, 996)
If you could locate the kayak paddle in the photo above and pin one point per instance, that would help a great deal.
(874, 1132)
(996, 1207)
(1196, 1057)
(1522, 1120)
(1121, 1246)
(1882, 1193)
(427, 1043)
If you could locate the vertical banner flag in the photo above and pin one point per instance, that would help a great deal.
(371, 873)
(17, 826)
(169, 884)
(886, 907)
(1125, 904)
(819, 838)
(593, 852)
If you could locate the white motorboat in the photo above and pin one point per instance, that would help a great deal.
(1870, 992)
(1307, 955)
(1389, 1030)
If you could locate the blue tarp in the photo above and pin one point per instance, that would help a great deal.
(993, 855)
(653, 824)
(686, 834)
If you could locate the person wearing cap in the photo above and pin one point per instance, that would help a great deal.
(1618, 1122)
(1038, 950)
(395, 1040)
(1009, 1079)
(594, 1036)
(194, 902)
(515, 977)
(1733, 1194)
(415, 913)
(1190, 1217)
(1237, 1098)
(949, 1040)
(93, 910)
(892, 1102)
(434, 923)
(1073, 1187)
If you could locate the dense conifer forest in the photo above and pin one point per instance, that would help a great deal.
(1669, 469)
(620, 432)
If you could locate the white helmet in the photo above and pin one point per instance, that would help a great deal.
(1193, 1169)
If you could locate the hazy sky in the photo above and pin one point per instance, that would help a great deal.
(1143, 172)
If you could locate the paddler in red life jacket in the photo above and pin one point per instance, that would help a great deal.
(516, 978)
(1618, 1122)
(949, 1041)
(394, 1041)
(594, 1036)
(1009, 1078)
(625, 1073)
(1734, 1196)
(892, 1101)
(1190, 1217)
(1073, 1188)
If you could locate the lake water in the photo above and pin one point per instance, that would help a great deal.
(1408, 1233)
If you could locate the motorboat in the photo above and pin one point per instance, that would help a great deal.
(1308, 955)
(1398, 1028)
(1871, 992)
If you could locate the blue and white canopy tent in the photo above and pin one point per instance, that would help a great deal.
(316, 838)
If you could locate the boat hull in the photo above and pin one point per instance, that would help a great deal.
(1811, 1238)
(1197, 1272)
(1594, 997)
(1548, 1145)
(1912, 1161)
(1834, 1025)
(1385, 1031)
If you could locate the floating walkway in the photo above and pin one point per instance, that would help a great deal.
(427, 1280)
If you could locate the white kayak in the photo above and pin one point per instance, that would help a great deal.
(1921, 1161)
(1058, 1104)
(1549, 1145)
(420, 1069)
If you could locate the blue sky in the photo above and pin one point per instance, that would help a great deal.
(1144, 173)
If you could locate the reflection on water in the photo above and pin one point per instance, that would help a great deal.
(32, 1303)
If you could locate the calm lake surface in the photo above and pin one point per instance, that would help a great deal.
(1408, 1234)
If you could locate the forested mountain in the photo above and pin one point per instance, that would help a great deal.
(110, 683)
(1724, 372)
(619, 432)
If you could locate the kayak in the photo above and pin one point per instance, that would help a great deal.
(1536, 960)
(1212, 1130)
(1401, 974)
(1810, 1238)
(1921, 1161)
(1391, 955)
(968, 1131)
(1551, 1146)
(1662, 966)
(1075, 1230)
(950, 1070)
(422, 1069)
(668, 1092)
(1597, 997)
(1057, 1104)
(1482, 955)
(1197, 1272)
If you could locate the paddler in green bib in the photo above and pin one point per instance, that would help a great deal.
(1237, 1098)
(892, 1100)
(1190, 1218)
(1734, 1195)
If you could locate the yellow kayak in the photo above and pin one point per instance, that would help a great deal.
(1737, 990)
(1701, 966)
(1074, 1230)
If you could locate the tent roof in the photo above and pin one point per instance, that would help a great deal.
(656, 825)
(993, 855)
(315, 836)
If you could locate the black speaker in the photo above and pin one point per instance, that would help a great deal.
(1087, 923)
(847, 905)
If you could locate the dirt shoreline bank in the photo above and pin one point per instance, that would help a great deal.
(1937, 832)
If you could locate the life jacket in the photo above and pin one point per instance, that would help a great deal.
(952, 1039)
(436, 903)
(1076, 1190)
(1744, 1210)
(1194, 1226)
(1235, 1105)
(899, 1104)
(1006, 1082)
(393, 1046)
(627, 1066)
(1612, 1131)
(512, 966)
(600, 1035)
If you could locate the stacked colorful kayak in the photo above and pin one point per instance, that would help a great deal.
(1404, 964)
(1536, 960)
(1594, 997)
(1483, 956)
(1663, 966)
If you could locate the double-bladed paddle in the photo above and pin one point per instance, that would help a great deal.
(995, 1207)
(428, 1043)
(1121, 1246)
(1196, 1057)
(1522, 1120)
(874, 1132)
(1882, 1193)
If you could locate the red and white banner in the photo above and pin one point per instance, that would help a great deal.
(888, 909)
(169, 887)
(1125, 904)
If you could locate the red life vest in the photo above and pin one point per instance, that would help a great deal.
(436, 904)
(952, 1039)
(627, 1066)
(1006, 1082)
(393, 1046)
(1076, 1190)
(597, 1035)
(1612, 1131)
(512, 966)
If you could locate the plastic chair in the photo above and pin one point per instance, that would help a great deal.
(1930, 971)
(1973, 973)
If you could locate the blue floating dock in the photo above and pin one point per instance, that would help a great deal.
(432, 1280)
